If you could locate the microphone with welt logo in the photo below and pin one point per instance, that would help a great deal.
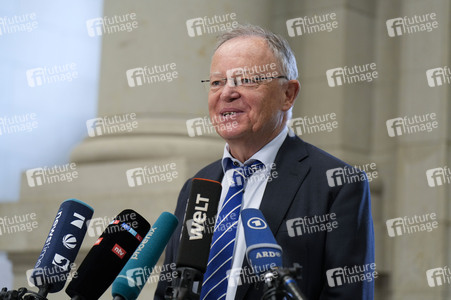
(197, 233)
(134, 275)
(108, 256)
(61, 247)
(265, 256)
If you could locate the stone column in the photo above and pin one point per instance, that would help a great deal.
(413, 254)
(353, 41)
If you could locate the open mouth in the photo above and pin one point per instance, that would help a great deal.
(229, 113)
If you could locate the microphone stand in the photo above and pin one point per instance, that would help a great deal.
(186, 286)
(280, 282)
(23, 294)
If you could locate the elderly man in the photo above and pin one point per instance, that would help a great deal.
(325, 227)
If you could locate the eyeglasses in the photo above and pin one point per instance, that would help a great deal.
(215, 84)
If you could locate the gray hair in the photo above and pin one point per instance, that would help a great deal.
(278, 45)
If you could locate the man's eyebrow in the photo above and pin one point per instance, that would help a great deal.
(216, 74)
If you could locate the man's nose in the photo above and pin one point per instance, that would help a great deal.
(229, 92)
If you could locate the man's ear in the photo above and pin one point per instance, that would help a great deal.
(291, 92)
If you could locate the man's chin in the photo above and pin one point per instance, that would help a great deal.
(230, 134)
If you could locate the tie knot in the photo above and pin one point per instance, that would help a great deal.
(240, 174)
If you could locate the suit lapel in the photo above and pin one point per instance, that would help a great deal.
(280, 192)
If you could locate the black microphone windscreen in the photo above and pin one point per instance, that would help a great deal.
(198, 225)
(108, 256)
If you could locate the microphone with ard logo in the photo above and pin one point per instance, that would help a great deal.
(61, 247)
(265, 256)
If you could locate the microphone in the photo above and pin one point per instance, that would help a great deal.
(134, 275)
(262, 252)
(265, 256)
(197, 233)
(61, 247)
(108, 256)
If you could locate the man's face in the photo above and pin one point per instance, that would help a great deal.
(258, 111)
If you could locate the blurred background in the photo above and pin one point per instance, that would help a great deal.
(62, 67)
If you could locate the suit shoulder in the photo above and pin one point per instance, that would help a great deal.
(323, 160)
(323, 156)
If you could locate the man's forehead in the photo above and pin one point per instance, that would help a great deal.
(241, 53)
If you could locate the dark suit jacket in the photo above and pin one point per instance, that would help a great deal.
(301, 189)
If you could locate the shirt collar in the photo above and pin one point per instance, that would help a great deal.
(266, 155)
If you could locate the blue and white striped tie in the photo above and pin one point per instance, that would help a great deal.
(223, 242)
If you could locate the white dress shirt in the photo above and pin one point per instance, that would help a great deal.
(252, 197)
